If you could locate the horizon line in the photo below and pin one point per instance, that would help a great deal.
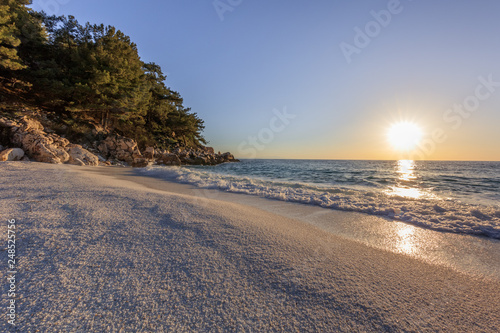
(361, 159)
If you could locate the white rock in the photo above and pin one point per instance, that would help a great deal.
(79, 155)
(12, 154)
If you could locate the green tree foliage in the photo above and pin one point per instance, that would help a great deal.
(9, 59)
(167, 119)
(9, 35)
(93, 72)
(55, 67)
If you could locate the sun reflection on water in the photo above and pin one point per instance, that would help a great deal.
(405, 187)
(405, 242)
(406, 170)
(412, 193)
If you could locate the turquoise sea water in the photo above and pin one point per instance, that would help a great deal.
(461, 197)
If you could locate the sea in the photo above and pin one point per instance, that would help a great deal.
(458, 197)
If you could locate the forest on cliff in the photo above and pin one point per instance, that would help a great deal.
(87, 75)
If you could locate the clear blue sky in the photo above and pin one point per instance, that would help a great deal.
(275, 56)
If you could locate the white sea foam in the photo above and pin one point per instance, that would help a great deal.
(428, 212)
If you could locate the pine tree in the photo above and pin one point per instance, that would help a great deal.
(92, 73)
(9, 36)
(116, 77)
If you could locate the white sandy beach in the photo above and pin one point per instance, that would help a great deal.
(98, 252)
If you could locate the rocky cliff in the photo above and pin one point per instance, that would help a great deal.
(23, 138)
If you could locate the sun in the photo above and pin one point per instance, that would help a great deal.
(404, 135)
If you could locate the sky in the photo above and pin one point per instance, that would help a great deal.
(323, 79)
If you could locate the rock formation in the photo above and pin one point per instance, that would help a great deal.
(27, 137)
(119, 148)
(81, 156)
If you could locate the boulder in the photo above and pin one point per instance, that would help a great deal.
(81, 156)
(201, 160)
(12, 154)
(141, 163)
(107, 146)
(77, 161)
(103, 149)
(136, 154)
(40, 147)
(169, 159)
(209, 150)
(149, 152)
(122, 145)
(228, 157)
(63, 142)
(122, 155)
(119, 148)
(40, 153)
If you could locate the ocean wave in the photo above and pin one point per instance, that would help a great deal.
(428, 211)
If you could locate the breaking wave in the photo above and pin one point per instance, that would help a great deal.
(418, 207)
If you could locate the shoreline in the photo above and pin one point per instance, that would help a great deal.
(449, 208)
(474, 255)
(100, 252)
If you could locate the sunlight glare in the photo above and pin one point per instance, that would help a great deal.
(404, 135)
(406, 243)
